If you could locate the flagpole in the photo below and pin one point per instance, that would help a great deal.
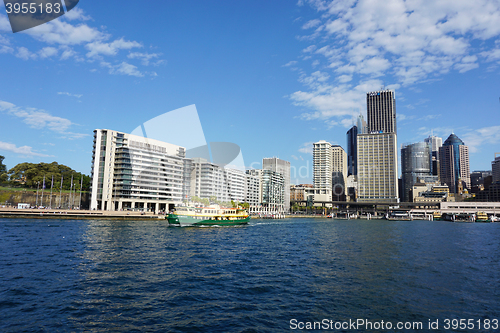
(37, 188)
(51, 185)
(43, 187)
(80, 202)
(70, 190)
(60, 193)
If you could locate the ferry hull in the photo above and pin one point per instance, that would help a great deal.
(188, 221)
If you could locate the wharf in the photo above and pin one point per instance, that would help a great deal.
(75, 214)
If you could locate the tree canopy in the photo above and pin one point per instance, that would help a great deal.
(31, 175)
(3, 170)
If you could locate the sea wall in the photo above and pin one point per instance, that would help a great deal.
(64, 200)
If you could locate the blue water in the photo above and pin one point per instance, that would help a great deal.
(126, 276)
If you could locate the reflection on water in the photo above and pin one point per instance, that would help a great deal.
(106, 276)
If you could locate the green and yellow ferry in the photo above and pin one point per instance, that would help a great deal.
(207, 216)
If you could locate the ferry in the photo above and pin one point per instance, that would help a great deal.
(207, 216)
(482, 217)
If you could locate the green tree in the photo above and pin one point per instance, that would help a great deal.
(31, 175)
(3, 170)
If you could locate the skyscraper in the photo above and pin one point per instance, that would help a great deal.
(454, 163)
(435, 143)
(376, 150)
(377, 168)
(381, 111)
(495, 168)
(282, 167)
(352, 152)
(339, 172)
(322, 164)
(415, 164)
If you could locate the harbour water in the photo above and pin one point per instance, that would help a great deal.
(268, 276)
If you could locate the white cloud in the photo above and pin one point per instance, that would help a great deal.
(477, 138)
(405, 41)
(306, 148)
(124, 69)
(290, 63)
(145, 57)
(24, 150)
(97, 48)
(71, 95)
(40, 119)
(25, 54)
(47, 52)
(6, 49)
(311, 24)
(61, 32)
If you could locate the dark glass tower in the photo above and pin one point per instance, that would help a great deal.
(352, 151)
(454, 163)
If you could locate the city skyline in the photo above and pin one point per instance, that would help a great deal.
(272, 78)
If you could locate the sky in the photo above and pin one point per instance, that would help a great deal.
(270, 76)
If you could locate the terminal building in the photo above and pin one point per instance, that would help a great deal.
(130, 172)
(133, 172)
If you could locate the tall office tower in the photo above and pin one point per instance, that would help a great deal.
(381, 110)
(495, 168)
(133, 172)
(282, 167)
(454, 163)
(352, 153)
(435, 142)
(377, 168)
(322, 164)
(361, 125)
(415, 165)
(377, 154)
(339, 172)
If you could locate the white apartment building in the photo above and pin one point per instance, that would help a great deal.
(254, 191)
(133, 172)
(329, 170)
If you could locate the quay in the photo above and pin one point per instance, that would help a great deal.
(75, 214)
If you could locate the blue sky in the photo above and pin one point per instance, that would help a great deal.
(270, 76)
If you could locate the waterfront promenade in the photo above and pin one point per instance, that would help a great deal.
(74, 214)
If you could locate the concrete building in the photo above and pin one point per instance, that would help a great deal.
(435, 143)
(381, 111)
(253, 193)
(209, 180)
(322, 164)
(495, 168)
(415, 165)
(377, 154)
(339, 173)
(133, 172)
(282, 167)
(273, 191)
(454, 164)
(377, 168)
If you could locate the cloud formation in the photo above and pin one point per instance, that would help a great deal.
(406, 42)
(40, 119)
(72, 37)
(23, 151)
